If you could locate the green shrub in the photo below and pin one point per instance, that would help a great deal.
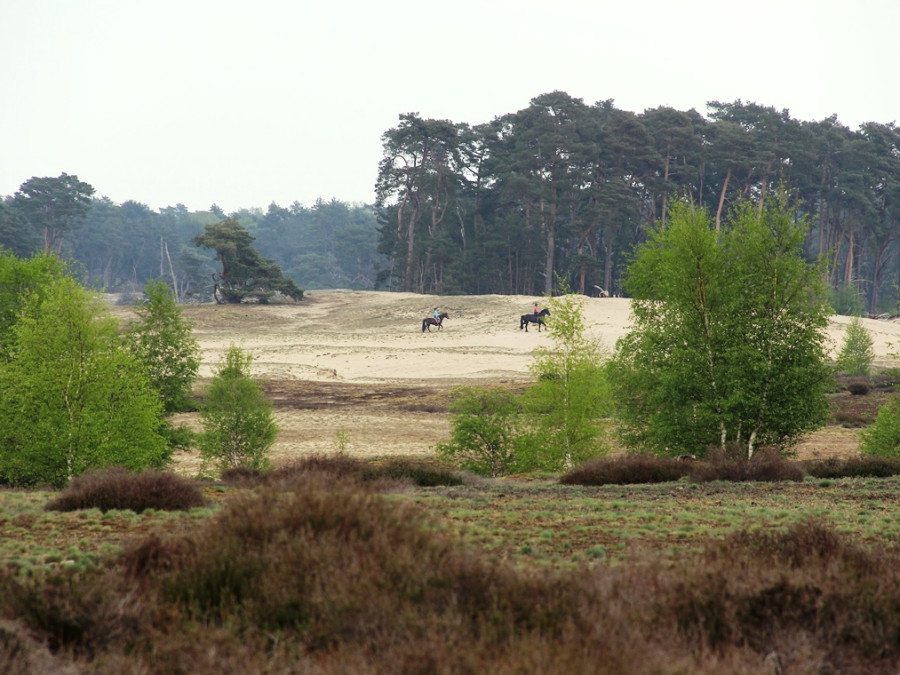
(118, 488)
(856, 353)
(238, 424)
(483, 431)
(882, 437)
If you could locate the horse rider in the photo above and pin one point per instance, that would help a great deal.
(536, 310)
(436, 314)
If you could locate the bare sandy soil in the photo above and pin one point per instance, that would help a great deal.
(353, 371)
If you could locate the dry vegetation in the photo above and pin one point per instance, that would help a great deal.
(376, 559)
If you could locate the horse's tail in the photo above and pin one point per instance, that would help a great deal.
(424, 325)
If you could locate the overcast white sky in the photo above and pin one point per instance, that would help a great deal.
(244, 104)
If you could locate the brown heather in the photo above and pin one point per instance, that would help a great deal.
(118, 488)
(332, 577)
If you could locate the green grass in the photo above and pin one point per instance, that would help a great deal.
(535, 523)
(628, 521)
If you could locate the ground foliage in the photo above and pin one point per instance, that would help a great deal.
(388, 587)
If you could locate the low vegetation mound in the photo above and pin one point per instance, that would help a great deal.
(765, 466)
(339, 469)
(118, 488)
(646, 468)
(864, 466)
(627, 470)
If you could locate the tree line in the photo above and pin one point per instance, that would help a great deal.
(120, 247)
(570, 189)
(558, 189)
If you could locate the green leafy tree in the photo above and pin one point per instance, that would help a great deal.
(244, 274)
(15, 233)
(162, 339)
(483, 434)
(72, 397)
(728, 340)
(571, 397)
(54, 206)
(857, 352)
(20, 279)
(882, 437)
(238, 424)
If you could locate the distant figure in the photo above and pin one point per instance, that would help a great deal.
(435, 314)
(538, 319)
(536, 310)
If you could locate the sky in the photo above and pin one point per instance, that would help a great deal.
(201, 102)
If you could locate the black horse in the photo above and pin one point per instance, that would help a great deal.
(534, 318)
(428, 322)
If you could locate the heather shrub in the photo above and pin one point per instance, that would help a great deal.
(319, 470)
(868, 466)
(627, 469)
(369, 568)
(858, 387)
(765, 466)
(118, 488)
(419, 472)
(344, 581)
(805, 595)
(77, 611)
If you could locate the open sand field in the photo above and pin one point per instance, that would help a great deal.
(353, 371)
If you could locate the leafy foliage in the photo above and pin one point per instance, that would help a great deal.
(857, 353)
(54, 206)
(238, 424)
(882, 437)
(74, 398)
(244, 274)
(21, 279)
(567, 404)
(728, 342)
(484, 431)
(162, 339)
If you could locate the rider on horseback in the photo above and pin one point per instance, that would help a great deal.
(436, 314)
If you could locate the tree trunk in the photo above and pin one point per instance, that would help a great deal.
(722, 199)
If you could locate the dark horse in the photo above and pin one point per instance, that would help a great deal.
(428, 322)
(534, 318)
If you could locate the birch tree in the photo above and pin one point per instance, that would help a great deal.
(728, 344)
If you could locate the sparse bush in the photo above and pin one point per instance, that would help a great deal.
(627, 470)
(118, 488)
(483, 433)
